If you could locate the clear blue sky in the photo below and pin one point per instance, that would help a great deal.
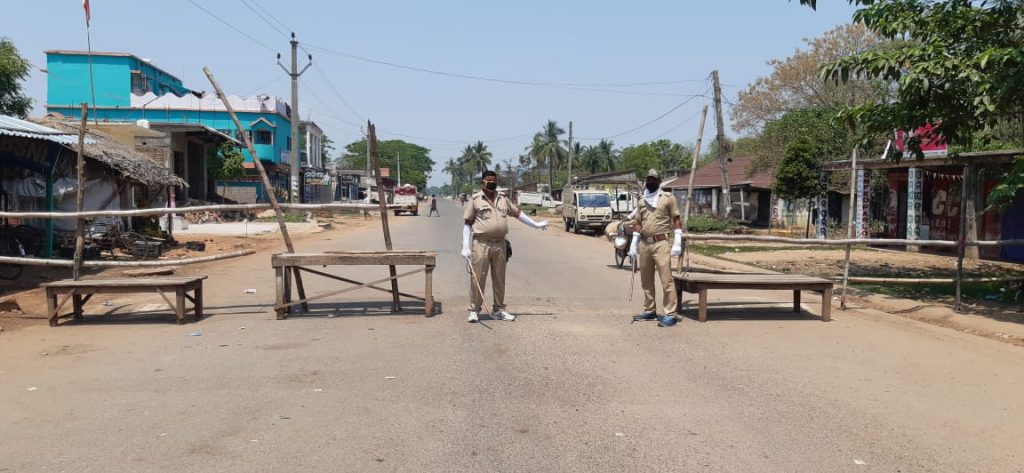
(578, 42)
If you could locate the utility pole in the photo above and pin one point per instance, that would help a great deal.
(294, 73)
(569, 179)
(723, 157)
(399, 159)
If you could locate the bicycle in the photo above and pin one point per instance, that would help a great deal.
(110, 237)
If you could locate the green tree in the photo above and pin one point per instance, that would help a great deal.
(477, 157)
(833, 141)
(224, 163)
(659, 154)
(797, 177)
(416, 162)
(957, 65)
(14, 69)
(547, 148)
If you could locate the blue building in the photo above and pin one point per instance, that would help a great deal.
(131, 89)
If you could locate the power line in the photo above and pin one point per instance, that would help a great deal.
(674, 128)
(336, 92)
(271, 15)
(267, 84)
(569, 85)
(229, 25)
(272, 25)
(648, 123)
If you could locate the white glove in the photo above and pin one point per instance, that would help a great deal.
(677, 245)
(467, 238)
(529, 221)
(633, 245)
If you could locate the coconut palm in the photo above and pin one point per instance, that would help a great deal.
(477, 157)
(452, 169)
(608, 156)
(547, 148)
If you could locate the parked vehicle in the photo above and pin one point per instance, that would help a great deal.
(624, 202)
(542, 199)
(585, 209)
(406, 197)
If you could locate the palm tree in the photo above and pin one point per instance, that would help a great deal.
(452, 169)
(477, 157)
(547, 147)
(607, 154)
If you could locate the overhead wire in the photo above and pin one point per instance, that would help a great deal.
(229, 25)
(265, 20)
(567, 85)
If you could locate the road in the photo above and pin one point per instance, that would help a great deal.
(571, 386)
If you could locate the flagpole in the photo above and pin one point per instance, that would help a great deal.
(88, 41)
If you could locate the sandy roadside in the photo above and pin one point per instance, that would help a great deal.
(23, 306)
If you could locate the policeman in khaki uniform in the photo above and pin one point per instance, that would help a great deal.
(658, 224)
(483, 244)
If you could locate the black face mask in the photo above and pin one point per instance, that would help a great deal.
(491, 186)
(653, 186)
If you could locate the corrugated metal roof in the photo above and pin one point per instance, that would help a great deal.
(11, 126)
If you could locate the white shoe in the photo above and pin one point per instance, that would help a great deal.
(502, 315)
(473, 317)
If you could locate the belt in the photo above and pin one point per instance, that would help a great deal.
(488, 239)
(655, 238)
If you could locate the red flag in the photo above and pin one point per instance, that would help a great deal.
(88, 14)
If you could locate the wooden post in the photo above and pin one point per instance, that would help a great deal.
(396, 304)
(849, 226)
(961, 247)
(689, 186)
(263, 175)
(723, 155)
(76, 270)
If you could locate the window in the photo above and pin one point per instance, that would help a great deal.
(140, 84)
(263, 137)
(288, 144)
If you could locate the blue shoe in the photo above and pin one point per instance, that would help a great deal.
(647, 316)
(668, 321)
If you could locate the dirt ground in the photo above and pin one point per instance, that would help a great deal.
(22, 303)
(828, 263)
(995, 320)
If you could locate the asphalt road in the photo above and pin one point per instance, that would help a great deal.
(571, 386)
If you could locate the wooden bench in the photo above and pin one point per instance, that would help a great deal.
(700, 283)
(285, 264)
(79, 292)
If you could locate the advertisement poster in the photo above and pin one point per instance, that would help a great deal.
(915, 195)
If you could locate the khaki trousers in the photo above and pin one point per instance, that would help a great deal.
(657, 257)
(488, 255)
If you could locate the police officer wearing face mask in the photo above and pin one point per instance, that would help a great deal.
(658, 224)
(483, 244)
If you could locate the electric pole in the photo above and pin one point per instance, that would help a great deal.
(294, 73)
(399, 159)
(569, 179)
(723, 157)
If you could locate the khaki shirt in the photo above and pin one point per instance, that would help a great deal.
(490, 220)
(658, 220)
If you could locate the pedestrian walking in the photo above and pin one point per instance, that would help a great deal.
(485, 247)
(433, 206)
(657, 220)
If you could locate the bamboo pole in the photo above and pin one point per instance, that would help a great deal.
(396, 304)
(198, 208)
(961, 249)
(76, 269)
(263, 175)
(849, 227)
(63, 263)
(689, 186)
(815, 242)
(858, 279)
